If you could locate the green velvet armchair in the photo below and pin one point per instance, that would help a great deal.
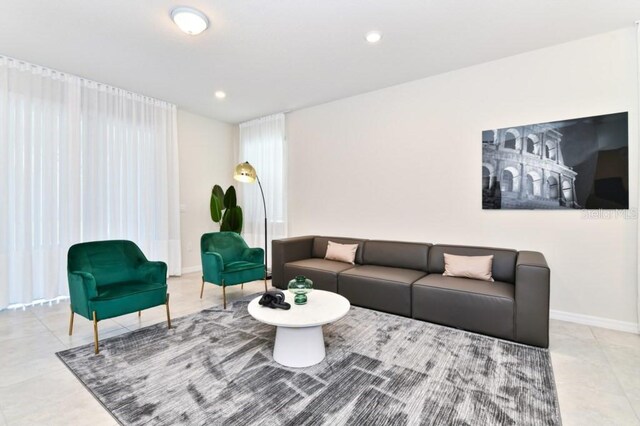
(227, 261)
(112, 278)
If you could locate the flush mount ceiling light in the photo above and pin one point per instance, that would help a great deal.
(373, 37)
(220, 94)
(189, 20)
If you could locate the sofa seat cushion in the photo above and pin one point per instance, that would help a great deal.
(474, 305)
(122, 298)
(379, 287)
(323, 272)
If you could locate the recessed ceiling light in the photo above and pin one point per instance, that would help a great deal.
(189, 20)
(373, 37)
(220, 94)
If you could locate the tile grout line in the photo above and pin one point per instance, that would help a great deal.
(3, 417)
(49, 323)
(66, 345)
(615, 375)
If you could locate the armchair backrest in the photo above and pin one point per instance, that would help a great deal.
(108, 261)
(228, 244)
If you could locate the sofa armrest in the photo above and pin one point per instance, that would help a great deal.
(288, 250)
(532, 299)
(212, 267)
(253, 255)
(153, 272)
(82, 288)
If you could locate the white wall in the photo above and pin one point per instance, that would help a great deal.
(405, 163)
(206, 158)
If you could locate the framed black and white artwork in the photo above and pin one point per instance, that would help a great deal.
(582, 163)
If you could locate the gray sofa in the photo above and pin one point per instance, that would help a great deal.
(405, 278)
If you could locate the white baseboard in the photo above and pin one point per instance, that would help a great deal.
(189, 269)
(629, 327)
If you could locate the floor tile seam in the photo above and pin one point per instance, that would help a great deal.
(576, 357)
(636, 412)
(569, 384)
(604, 348)
(574, 324)
(616, 375)
(104, 334)
(610, 345)
(8, 312)
(573, 336)
(2, 415)
(601, 346)
(38, 351)
(580, 358)
(61, 367)
(5, 340)
(605, 343)
(66, 344)
(625, 394)
(49, 328)
(21, 318)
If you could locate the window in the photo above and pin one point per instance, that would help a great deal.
(262, 143)
(510, 141)
(82, 161)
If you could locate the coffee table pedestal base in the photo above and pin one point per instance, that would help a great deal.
(299, 347)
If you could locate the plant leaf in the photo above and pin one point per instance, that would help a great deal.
(217, 190)
(230, 199)
(215, 206)
(232, 220)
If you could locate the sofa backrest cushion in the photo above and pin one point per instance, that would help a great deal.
(397, 254)
(320, 246)
(504, 260)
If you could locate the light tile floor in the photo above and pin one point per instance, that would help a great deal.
(597, 371)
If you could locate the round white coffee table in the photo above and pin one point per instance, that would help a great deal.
(299, 339)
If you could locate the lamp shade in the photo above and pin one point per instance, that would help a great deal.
(245, 172)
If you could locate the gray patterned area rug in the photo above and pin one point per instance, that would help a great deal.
(216, 368)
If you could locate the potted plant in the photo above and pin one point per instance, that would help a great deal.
(224, 209)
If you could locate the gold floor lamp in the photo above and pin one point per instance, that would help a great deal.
(245, 172)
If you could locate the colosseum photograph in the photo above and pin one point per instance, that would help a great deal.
(581, 163)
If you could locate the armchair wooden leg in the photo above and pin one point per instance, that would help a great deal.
(224, 295)
(71, 322)
(95, 332)
(242, 286)
(202, 288)
(139, 314)
(168, 314)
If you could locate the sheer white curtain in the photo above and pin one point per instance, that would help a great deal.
(79, 161)
(638, 113)
(262, 143)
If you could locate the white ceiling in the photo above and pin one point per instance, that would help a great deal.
(277, 55)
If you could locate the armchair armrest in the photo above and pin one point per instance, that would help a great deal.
(532, 299)
(212, 267)
(288, 250)
(253, 255)
(155, 272)
(82, 288)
